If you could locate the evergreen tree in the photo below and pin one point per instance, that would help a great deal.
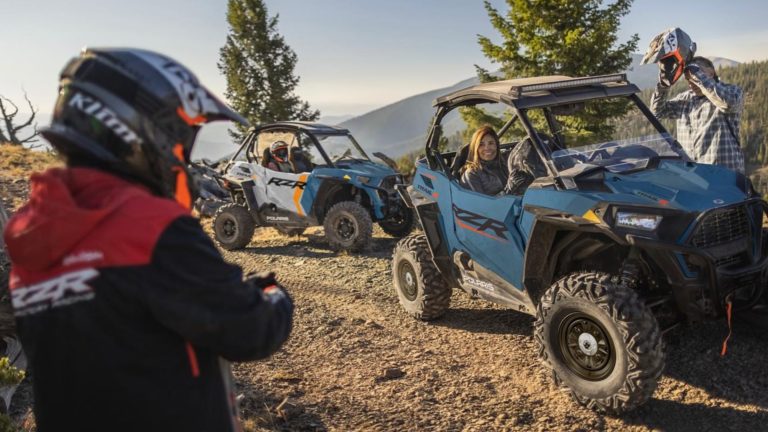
(259, 67)
(560, 37)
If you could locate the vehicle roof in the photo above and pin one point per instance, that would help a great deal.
(310, 127)
(541, 91)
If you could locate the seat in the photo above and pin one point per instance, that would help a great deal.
(459, 160)
(299, 160)
(266, 157)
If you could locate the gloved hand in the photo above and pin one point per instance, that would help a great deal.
(266, 280)
(663, 82)
(692, 68)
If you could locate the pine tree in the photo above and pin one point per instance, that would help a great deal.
(259, 67)
(560, 37)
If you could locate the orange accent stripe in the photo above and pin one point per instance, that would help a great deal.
(189, 120)
(463, 225)
(182, 194)
(297, 196)
(193, 360)
(728, 313)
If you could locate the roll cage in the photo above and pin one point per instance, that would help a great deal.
(308, 128)
(524, 94)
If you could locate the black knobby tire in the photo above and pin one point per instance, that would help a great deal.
(290, 232)
(400, 225)
(601, 342)
(421, 289)
(348, 226)
(233, 226)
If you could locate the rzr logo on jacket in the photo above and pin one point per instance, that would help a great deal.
(293, 184)
(62, 290)
(105, 115)
(482, 225)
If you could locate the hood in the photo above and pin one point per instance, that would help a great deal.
(65, 204)
(688, 187)
(366, 168)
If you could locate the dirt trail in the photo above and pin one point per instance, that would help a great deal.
(355, 361)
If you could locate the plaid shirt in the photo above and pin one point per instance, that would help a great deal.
(702, 121)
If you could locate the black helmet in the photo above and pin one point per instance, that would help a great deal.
(114, 101)
(279, 150)
(671, 49)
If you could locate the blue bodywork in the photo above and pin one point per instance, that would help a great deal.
(638, 208)
(682, 186)
(364, 175)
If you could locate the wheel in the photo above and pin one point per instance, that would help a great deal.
(233, 226)
(290, 232)
(400, 225)
(348, 226)
(419, 286)
(601, 342)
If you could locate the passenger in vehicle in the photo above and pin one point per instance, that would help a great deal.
(484, 171)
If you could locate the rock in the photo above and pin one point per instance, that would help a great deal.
(392, 373)
(374, 325)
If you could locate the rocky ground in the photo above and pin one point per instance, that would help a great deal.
(356, 361)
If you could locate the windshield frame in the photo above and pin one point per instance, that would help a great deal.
(329, 161)
(435, 161)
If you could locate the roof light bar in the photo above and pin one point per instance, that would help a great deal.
(578, 82)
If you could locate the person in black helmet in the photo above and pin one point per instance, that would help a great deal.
(125, 308)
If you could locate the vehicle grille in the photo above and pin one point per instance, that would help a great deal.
(721, 226)
(733, 260)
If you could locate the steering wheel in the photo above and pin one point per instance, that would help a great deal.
(342, 156)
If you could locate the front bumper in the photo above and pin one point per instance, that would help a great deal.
(704, 278)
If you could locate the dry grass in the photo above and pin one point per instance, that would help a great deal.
(16, 161)
(16, 165)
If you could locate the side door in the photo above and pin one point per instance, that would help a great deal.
(487, 228)
(282, 189)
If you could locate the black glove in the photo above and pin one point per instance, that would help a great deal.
(264, 280)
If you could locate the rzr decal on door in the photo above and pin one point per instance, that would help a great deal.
(286, 182)
(479, 224)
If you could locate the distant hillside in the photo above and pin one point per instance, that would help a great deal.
(401, 127)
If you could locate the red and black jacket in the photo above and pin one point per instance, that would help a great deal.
(125, 307)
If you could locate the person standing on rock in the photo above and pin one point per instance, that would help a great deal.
(123, 304)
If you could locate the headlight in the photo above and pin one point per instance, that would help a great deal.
(637, 220)
(363, 179)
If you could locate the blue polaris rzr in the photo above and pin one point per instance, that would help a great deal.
(611, 244)
(331, 182)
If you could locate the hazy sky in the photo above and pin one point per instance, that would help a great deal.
(354, 55)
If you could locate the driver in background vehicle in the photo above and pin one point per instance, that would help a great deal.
(124, 306)
(483, 172)
(280, 158)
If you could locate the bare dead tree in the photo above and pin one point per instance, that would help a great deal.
(9, 111)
